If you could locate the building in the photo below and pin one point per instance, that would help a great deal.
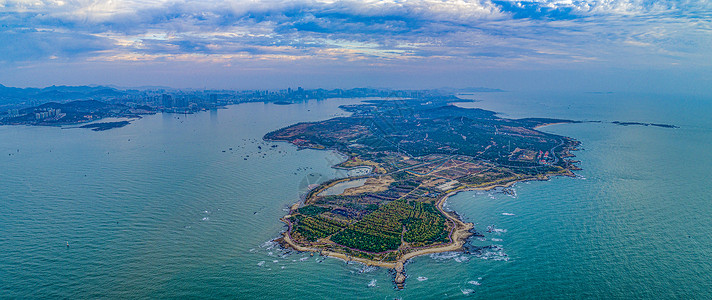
(180, 102)
(167, 101)
(47, 114)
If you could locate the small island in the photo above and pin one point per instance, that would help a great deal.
(419, 152)
(105, 125)
(644, 124)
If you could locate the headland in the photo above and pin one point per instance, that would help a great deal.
(420, 153)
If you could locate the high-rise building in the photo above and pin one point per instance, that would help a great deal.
(181, 102)
(167, 100)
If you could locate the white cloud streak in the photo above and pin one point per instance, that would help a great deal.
(493, 32)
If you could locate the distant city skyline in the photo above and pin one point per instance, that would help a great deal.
(612, 45)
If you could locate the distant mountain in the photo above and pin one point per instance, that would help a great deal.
(141, 88)
(62, 89)
(15, 92)
(12, 97)
(80, 106)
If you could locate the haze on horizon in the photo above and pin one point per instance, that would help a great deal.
(606, 45)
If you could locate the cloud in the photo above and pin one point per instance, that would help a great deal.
(31, 44)
(499, 32)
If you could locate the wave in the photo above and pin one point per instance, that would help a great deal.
(368, 269)
(456, 256)
(491, 252)
(461, 258)
(444, 255)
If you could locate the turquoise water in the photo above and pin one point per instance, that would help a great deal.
(157, 210)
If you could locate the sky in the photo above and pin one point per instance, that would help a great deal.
(602, 45)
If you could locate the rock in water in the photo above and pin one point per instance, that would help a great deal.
(399, 279)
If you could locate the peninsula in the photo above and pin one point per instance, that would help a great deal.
(418, 152)
(75, 112)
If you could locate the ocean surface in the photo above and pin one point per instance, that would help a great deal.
(175, 206)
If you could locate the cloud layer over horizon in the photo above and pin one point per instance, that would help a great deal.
(320, 35)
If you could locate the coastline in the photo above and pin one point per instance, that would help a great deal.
(460, 232)
(549, 124)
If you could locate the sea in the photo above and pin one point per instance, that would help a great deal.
(187, 206)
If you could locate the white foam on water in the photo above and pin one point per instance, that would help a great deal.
(456, 256)
(496, 253)
(275, 261)
(372, 283)
(268, 244)
(446, 205)
(467, 291)
(422, 278)
(461, 258)
(444, 255)
(508, 214)
(282, 267)
(367, 269)
(496, 240)
(474, 282)
(304, 258)
(498, 230)
(261, 263)
(206, 218)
